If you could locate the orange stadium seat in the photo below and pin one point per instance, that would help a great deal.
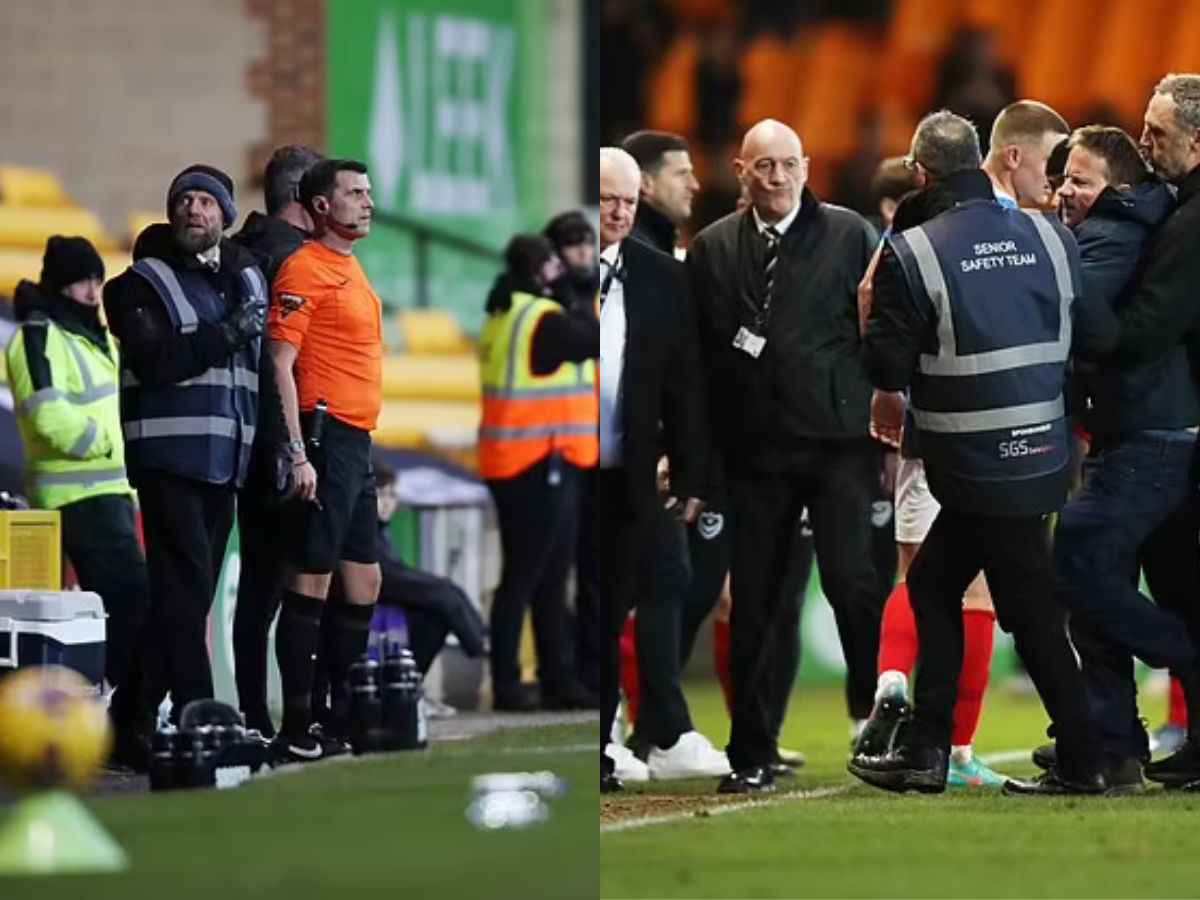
(1131, 44)
(702, 12)
(1055, 66)
(671, 88)
(919, 34)
(836, 91)
(1007, 19)
(27, 186)
(1182, 51)
(771, 71)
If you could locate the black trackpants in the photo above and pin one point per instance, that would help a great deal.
(260, 590)
(836, 482)
(100, 538)
(539, 522)
(186, 525)
(1015, 555)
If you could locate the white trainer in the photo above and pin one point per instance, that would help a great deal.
(627, 766)
(692, 756)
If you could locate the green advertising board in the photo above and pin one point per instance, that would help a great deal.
(445, 101)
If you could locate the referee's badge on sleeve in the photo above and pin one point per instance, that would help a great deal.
(290, 303)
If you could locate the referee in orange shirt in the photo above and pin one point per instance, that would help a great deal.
(327, 347)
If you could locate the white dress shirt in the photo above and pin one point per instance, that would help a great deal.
(612, 360)
(781, 226)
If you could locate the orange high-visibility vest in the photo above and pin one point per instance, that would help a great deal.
(526, 417)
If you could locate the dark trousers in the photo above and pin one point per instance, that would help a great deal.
(186, 525)
(588, 602)
(621, 537)
(100, 538)
(835, 481)
(539, 522)
(260, 591)
(1138, 502)
(664, 573)
(708, 540)
(1015, 555)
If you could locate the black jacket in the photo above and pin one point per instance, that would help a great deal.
(809, 381)
(654, 229)
(272, 241)
(660, 381)
(149, 345)
(1121, 397)
(901, 326)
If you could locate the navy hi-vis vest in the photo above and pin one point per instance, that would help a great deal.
(987, 397)
(201, 428)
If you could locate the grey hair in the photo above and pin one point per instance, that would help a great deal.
(1184, 89)
(945, 143)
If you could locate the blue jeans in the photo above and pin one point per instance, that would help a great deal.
(1137, 493)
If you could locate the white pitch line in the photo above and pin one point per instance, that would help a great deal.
(730, 808)
(727, 809)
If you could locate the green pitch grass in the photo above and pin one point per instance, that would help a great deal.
(375, 827)
(862, 842)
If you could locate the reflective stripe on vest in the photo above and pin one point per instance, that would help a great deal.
(526, 417)
(185, 426)
(81, 479)
(240, 377)
(169, 288)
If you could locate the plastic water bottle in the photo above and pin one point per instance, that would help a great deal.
(366, 709)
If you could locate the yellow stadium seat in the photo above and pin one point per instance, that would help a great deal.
(424, 331)
(16, 264)
(424, 425)
(427, 377)
(140, 221)
(29, 226)
(26, 186)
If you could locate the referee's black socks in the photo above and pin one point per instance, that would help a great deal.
(348, 641)
(296, 638)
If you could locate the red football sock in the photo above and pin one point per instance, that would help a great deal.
(629, 671)
(721, 661)
(898, 634)
(978, 637)
(1177, 705)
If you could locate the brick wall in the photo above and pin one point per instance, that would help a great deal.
(289, 78)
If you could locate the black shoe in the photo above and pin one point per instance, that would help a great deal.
(311, 747)
(1045, 757)
(1123, 777)
(755, 780)
(130, 753)
(518, 697)
(910, 767)
(1179, 769)
(879, 733)
(571, 696)
(1052, 783)
(610, 783)
(781, 769)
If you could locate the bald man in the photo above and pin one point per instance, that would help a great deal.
(648, 375)
(775, 295)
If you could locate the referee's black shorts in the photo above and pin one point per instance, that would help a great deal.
(344, 526)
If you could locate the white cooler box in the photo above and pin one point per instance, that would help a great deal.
(65, 628)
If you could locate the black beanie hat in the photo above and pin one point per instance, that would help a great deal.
(68, 260)
(569, 228)
(205, 178)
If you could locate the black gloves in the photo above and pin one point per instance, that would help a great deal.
(245, 323)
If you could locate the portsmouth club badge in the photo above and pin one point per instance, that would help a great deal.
(710, 524)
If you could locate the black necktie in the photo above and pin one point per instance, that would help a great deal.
(615, 270)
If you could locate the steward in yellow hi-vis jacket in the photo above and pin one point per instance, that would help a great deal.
(63, 370)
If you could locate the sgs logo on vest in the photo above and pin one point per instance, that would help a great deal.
(1013, 449)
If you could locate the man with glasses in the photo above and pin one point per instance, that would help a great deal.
(775, 290)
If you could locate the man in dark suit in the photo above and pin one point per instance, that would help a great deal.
(775, 293)
(648, 401)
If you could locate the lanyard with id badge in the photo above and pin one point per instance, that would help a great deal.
(751, 340)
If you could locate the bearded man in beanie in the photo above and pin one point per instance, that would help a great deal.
(189, 314)
(63, 368)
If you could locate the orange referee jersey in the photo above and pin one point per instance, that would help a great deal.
(324, 306)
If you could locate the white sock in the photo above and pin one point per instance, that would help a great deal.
(961, 754)
(891, 683)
